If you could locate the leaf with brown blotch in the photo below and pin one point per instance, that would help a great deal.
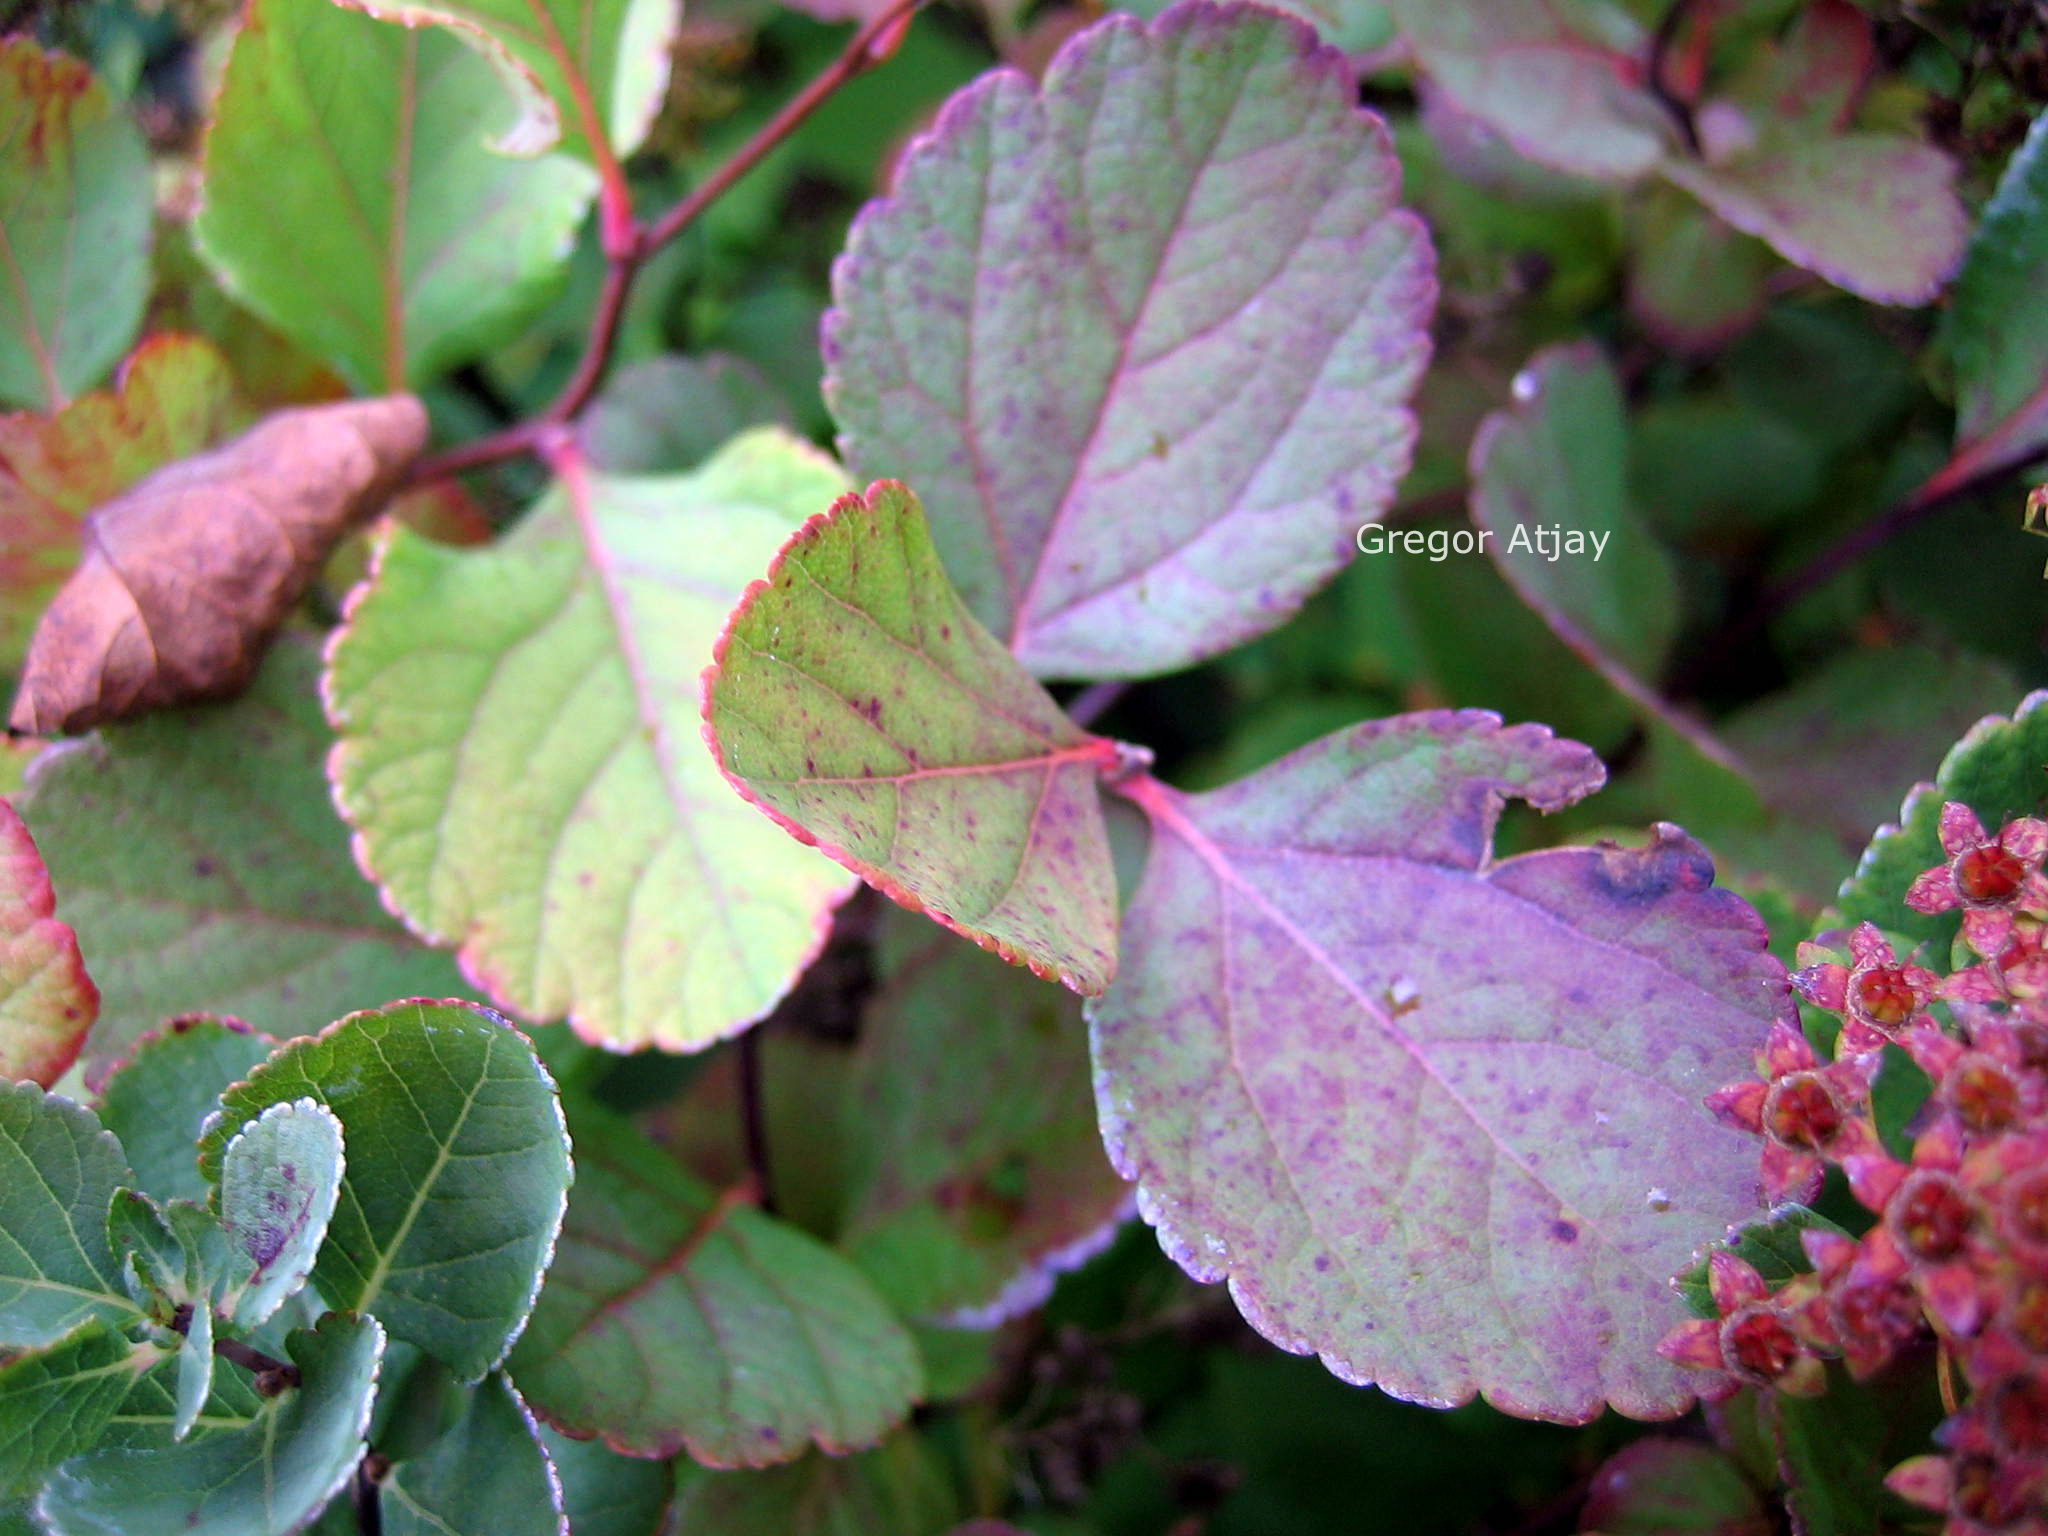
(187, 575)
(47, 1002)
(175, 396)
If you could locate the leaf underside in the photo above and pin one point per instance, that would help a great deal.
(1436, 1119)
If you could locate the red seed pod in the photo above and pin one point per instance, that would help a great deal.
(1802, 1112)
(1930, 1215)
(2023, 1211)
(1983, 1092)
(2017, 1412)
(1988, 876)
(1757, 1344)
(1884, 996)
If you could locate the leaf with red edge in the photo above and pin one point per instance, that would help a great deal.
(1436, 1118)
(856, 700)
(174, 397)
(1876, 214)
(521, 756)
(673, 1318)
(1143, 338)
(75, 210)
(1560, 80)
(47, 1002)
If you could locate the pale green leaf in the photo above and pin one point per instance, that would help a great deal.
(55, 1401)
(195, 1371)
(75, 205)
(351, 198)
(523, 760)
(265, 1477)
(58, 1174)
(487, 1476)
(457, 1171)
(279, 1180)
(858, 702)
(205, 870)
(674, 1319)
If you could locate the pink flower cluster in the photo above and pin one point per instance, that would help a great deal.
(1959, 1246)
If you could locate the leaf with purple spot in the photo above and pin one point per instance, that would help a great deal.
(279, 1180)
(1435, 1118)
(856, 700)
(1143, 337)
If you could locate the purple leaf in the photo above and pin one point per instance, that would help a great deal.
(1436, 1119)
(855, 699)
(1142, 338)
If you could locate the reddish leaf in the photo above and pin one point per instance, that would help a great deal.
(1667, 1487)
(175, 396)
(47, 1002)
(187, 575)
(855, 699)
(1437, 1119)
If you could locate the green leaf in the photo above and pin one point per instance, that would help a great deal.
(1550, 483)
(1896, 1095)
(205, 870)
(521, 754)
(1834, 1451)
(1769, 1244)
(955, 1199)
(58, 1174)
(589, 73)
(1694, 282)
(858, 702)
(1996, 332)
(899, 1487)
(1142, 337)
(1828, 755)
(672, 1319)
(1996, 770)
(159, 1095)
(171, 1255)
(47, 1002)
(1876, 214)
(1664, 1486)
(75, 205)
(55, 1401)
(457, 1173)
(175, 397)
(352, 201)
(606, 1494)
(487, 1476)
(266, 1477)
(279, 1180)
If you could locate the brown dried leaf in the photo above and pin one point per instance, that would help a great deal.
(186, 576)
